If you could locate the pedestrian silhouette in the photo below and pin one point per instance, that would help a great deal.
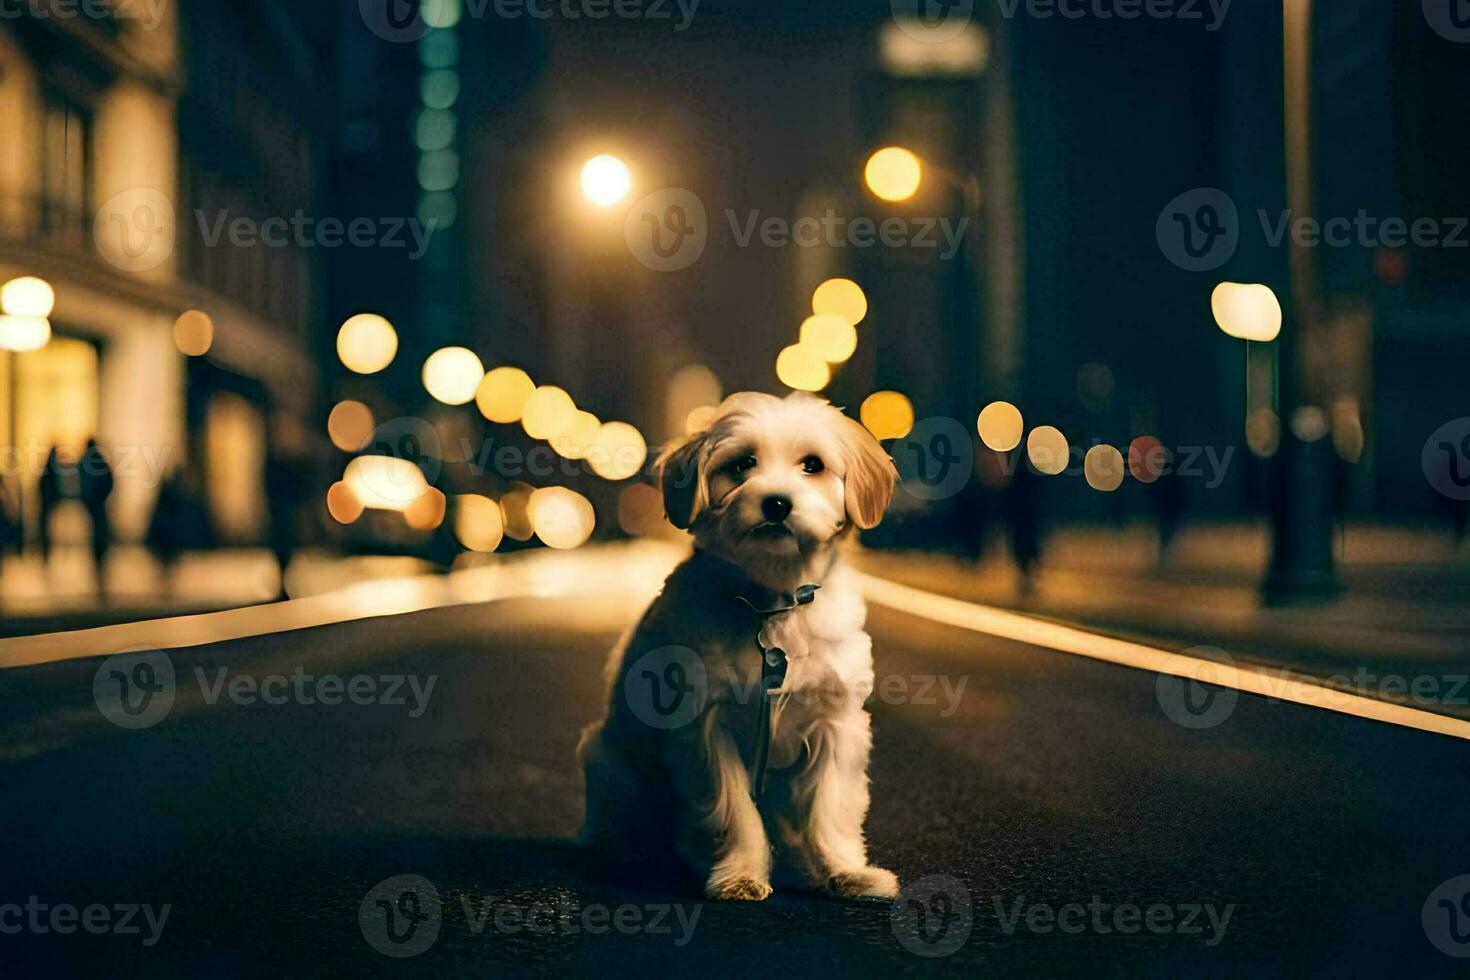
(1166, 495)
(49, 490)
(168, 529)
(96, 483)
(1020, 501)
(286, 482)
(9, 527)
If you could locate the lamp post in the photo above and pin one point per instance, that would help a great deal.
(25, 306)
(1302, 487)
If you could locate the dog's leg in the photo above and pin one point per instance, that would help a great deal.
(825, 804)
(720, 834)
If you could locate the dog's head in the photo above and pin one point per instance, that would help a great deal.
(774, 480)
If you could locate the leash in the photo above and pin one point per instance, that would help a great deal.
(773, 675)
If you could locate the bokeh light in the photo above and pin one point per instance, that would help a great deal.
(502, 394)
(840, 297)
(1103, 467)
(692, 388)
(367, 343)
(1001, 426)
(1248, 311)
(832, 338)
(1348, 438)
(24, 333)
(893, 173)
(385, 482)
(1263, 433)
(1048, 450)
(1309, 423)
(576, 438)
(887, 414)
(478, 523)
(427, 512)
(700, 419)
(27, 296)
(618, 452)
(350, 425)
(562, 518)
(547, 411)
(343, 504)
(453, 374)
(514, 513)
(640, 510)
(1147, 459)
(800, 367)
(194, 333)
(605, 180)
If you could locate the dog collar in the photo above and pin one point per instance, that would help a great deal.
(765, 603)
(758, 598)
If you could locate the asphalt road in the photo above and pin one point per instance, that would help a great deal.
(1077, 827)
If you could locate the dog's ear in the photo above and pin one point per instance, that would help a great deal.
(681, 475)
(871, 475)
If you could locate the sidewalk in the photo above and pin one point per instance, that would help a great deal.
(1404, 612)
(37, 598)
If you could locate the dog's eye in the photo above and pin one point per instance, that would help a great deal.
(742, 465)
(812, 464)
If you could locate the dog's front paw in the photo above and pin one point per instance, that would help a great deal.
(869, 882)
(737, 889)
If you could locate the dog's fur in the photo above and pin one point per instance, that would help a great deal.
(687, 790)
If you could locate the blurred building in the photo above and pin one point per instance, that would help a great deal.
(131, 131)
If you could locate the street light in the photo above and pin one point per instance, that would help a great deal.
(1247, 311)
(894, 173)
(605, 180)
(25, 304)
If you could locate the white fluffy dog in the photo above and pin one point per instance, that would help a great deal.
(768, 490)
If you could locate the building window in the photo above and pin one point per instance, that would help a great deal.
(65, 165)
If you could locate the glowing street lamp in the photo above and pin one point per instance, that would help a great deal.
(1247, 311)
(367, 343)
(894, 173)
(605, 180)
(25, 303)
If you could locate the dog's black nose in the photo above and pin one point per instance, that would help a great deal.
(776, 508)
